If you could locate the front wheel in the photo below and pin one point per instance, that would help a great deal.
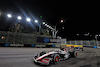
(56, 58)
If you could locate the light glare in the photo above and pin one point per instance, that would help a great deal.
(0, 13)
(43, 22)
(28, 19)
(19, 17)
(62, 21)
(36, 21)
(9, 15)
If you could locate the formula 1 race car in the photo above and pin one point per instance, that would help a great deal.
(54, 56)
(78, 47)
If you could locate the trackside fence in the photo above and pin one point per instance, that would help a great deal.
(34, 40)
(20, 38)
(85, 43)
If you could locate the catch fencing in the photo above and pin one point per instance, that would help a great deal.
(26, 38)
(90, 43)
(19, 38)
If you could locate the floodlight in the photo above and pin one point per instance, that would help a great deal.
(9, 15)
(36, 21)
(28, 19)
(43, 22)
(19, 17)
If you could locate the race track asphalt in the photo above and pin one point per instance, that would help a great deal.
(22, 57)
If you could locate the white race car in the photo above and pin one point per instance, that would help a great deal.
(54, 56)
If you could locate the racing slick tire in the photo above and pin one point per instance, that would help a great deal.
(73, 54)
(56, 58)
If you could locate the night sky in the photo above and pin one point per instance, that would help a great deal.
(80, 17)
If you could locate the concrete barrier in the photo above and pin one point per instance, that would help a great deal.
(39, 46)
(95, 46)
(2, 44)
(48, 46)
(17, 45)
(89, 46)
(32, 45)
(53, 45)
(58, 46)
(7, 45)
(27, 45)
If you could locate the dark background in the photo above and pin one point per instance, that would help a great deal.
(80, 17)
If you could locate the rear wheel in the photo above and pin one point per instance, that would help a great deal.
(73, 54)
